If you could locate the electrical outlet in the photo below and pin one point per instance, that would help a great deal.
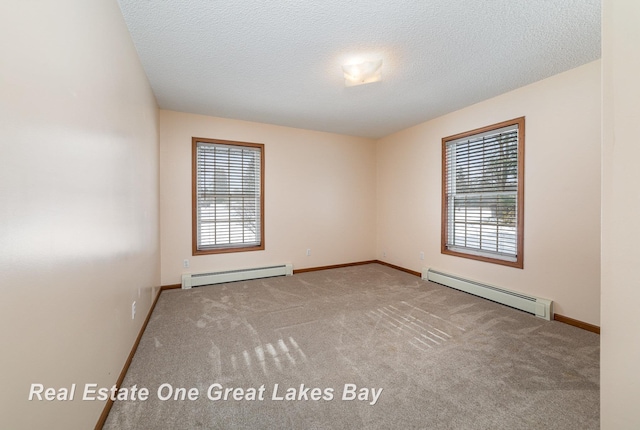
(185, 263)
(133, 310)
(421, 255)
(384, 253)
(308, 252)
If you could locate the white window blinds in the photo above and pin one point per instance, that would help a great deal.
(228, 195)
(482, 193)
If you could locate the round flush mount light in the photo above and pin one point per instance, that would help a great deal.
(362, 73)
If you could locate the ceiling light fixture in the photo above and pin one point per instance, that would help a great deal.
(362, 73)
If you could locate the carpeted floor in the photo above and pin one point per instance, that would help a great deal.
(382, 349)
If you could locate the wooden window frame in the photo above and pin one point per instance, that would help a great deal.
(519, 257)
(194, 198)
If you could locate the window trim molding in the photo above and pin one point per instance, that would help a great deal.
(194, 198)
(519, 260)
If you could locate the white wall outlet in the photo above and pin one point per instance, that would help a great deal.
(185, 263)
(133, 310)
(422, 255)
(308, 252)
(384, 253)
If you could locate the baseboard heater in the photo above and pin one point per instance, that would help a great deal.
(542, 308)
(197, 279)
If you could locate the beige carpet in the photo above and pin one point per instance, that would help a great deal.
(382, 349)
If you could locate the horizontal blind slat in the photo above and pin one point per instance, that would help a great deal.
(228, 195)
(481, 185)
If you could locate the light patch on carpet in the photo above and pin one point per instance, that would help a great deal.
(433, 316)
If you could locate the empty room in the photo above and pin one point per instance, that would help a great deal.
(327, 215)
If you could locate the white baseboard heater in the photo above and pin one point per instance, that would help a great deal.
(197, 279)
(542, 308)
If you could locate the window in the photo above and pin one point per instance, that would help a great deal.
(228, 196)
(483, 193)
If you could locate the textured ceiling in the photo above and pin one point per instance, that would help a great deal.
(279, 61)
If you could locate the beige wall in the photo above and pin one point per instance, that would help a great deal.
(620, 357)
(79, 204)
(319, 195)
(562, 192)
